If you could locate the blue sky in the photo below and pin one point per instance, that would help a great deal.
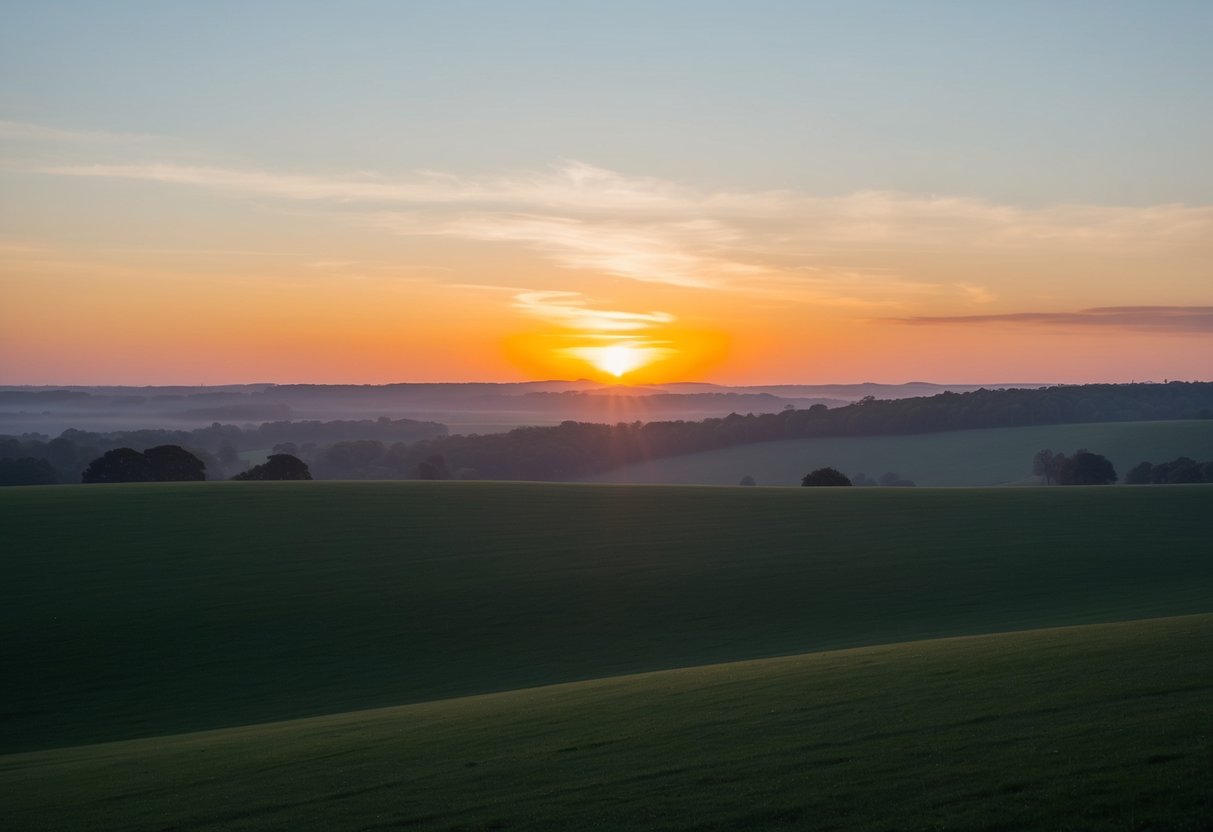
(1022, 102)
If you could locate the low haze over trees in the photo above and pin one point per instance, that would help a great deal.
(367, 449)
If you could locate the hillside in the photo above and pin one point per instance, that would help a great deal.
(150, 609)
(1094, 728)
(993, 456)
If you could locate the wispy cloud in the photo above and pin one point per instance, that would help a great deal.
(28, 132)
(1154, 318)
(587, 218)
(572, 310)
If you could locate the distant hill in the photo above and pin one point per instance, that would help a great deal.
(468, 407)
(993, 456)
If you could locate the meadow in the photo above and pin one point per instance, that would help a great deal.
(995, 456)
(588, 652)
(1086, 728)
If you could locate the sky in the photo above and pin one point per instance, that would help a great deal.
(737, 192)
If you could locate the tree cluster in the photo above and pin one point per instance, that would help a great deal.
(277, 467)
(217, 445)
(1180, 470)
(1082, 468)
(825, 477)
(163, 463)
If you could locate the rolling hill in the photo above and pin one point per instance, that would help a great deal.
(243, 656)
(143, 610)
(1102, 727)
(995, 456)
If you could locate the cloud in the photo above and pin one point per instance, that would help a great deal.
(1151, 318)
(571, 310)
(29, 132)
(777, 243)
(686, 254)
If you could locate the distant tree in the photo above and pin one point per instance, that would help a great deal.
(172, 463)
(1043, 465)
(1139, 474)
(27, 471)
(277, 467)
(227, 454)
(119, 465)
(286, 448)
(825, 477)
(1184, 470)
(747, 480)
(862, 479)
(433, 467)
(1086, 468)
(892, 480)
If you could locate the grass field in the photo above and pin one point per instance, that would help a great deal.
(1092, 728)
(148, 609)
(161, 642)
(957, 458)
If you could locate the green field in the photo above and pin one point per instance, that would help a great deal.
(133, 615)
(1102, 727)
(998, 456)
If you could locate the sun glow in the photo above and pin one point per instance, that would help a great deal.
(618, 360)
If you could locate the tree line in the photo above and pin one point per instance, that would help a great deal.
(172, 463)
(36, 459)
(1177, 471)
(574, 450)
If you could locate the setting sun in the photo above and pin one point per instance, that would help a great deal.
(617, 359)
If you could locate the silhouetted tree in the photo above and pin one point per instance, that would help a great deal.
(172, 463)
(826, 477)
(1139, 474)
(1043, 465)
(892, 480)
(862, 479)
(747, 480)
(1086, 468)
(1184, 470)
(27, 471)
(119, 465)
(277, 467)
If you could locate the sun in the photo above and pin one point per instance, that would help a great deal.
(618, 359)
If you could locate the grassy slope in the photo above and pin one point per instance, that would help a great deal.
(956, 458)
(1091, 728)
(142, 610)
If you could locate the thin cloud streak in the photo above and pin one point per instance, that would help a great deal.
(571, 310)
(642, 228)
(1152, 318)
(30, 132)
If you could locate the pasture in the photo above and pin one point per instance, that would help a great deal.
(1102, 727)
(144, 610)
(996, 456)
